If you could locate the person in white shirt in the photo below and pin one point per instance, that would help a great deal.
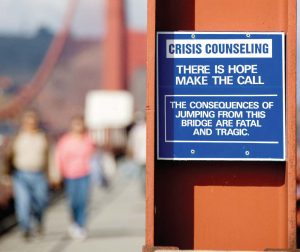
(136, 146)
(28, 154)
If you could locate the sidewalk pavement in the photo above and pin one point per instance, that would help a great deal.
(116, 224)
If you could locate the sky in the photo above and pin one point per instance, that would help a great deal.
(27, 16)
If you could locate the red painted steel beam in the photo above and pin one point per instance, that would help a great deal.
(114, 66)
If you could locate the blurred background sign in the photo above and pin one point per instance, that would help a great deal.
(108, 109)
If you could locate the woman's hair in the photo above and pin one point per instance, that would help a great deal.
(31, 112)
(78, 117)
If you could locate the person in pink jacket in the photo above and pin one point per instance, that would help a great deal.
(73, 153)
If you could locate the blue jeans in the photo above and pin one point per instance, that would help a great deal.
(77, 191)
(31, 197)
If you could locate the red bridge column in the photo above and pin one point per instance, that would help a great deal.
(114, 65)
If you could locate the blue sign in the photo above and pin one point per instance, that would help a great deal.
(220, 96)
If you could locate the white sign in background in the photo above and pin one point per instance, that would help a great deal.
(108, 109)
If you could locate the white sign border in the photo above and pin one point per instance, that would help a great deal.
(283, 98)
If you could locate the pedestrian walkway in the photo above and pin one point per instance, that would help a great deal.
(116, 224)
